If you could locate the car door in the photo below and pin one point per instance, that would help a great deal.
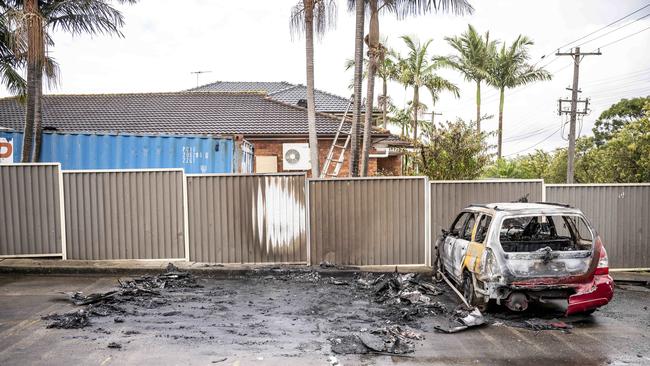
(459, 246)
(447, 251)
(476, 247)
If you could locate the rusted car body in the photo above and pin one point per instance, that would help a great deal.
(515, 253)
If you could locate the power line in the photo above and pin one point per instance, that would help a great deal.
(615, 29)
(530, 147)
(594, 32)
(624, 38)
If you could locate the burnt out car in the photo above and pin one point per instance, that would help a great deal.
(515, 253)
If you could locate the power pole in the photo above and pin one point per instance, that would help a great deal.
(577, 57)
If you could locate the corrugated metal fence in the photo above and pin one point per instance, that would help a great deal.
(125, 214)
(30, 210)
(449, 197)
(620, 214)
(371, 221)
(247, 218)
(165, 214)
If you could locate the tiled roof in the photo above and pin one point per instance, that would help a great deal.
(325, 102)
(281, 91)
(200, 113)
(266, 87)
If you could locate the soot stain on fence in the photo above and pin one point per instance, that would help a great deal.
(278, 214)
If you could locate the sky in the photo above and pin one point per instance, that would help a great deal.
(250, 40)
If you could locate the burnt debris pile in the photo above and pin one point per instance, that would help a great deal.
(138, 292)
(406, 296)
(395, 340)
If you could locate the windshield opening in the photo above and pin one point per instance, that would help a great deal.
(548, 233)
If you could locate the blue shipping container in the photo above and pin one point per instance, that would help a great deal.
(195, 154)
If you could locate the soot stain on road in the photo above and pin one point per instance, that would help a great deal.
(287, 312)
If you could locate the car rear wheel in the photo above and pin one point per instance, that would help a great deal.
(468, 289)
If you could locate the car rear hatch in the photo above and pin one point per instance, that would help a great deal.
(546, 245)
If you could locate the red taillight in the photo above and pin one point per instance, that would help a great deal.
(603, 261)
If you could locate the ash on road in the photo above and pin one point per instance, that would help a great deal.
(298, 318)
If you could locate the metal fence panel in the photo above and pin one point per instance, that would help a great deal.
(247, 218)
(375, 221)
(30, 210)
(449, 197)
(620, 214)
(124, 214)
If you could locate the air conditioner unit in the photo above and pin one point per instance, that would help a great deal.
(295, 157)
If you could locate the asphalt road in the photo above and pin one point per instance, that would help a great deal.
(269, 321)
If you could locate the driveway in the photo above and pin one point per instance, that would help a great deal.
(292, 319)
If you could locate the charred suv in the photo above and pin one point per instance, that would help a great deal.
(514, 253)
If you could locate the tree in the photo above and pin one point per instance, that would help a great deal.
(386, 70)
(9, 75)
(510, 69)
(472, 59)
(30, 21)
(617, 116)
(414, 70)
(455, 150)
(308, 16)
(436, 86)
(359, 8)
(376, 51)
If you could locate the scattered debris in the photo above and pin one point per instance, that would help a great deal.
(72, 320)
(393, 340)
(118, 320)
(78, 298)
(222, 359)
(462, 319)
(326, 264)
(114, 345)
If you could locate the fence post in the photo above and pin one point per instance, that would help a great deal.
(64, 244)
(427, 222)
(186, 226)
(307, 221)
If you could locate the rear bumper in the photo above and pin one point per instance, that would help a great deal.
(591, 295)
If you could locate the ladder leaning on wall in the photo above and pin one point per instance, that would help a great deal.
(338, 162)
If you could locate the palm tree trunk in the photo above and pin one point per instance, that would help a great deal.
(373, 56)
(358, 79)
(311, 108)
(35, 49)
(416, 104)
(38, 116)
(500, 143)
(367, 127)
(478, 106)
(384, 111)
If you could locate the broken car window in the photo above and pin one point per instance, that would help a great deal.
(469, 226)
(482, 228)
(533, 233)
(457, 226)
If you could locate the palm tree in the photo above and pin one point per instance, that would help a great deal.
(386, 70)
(414, 70)
(30, 21)
(436, 86)
(359, 9)
(308, 16)
(472, 59)
(9, 63)
(511, 69)
(376, 51)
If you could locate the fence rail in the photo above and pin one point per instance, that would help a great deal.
(277, 218)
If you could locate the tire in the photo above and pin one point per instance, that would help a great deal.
(468, 289)
(469, 292)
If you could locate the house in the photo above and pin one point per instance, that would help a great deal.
(273, 127)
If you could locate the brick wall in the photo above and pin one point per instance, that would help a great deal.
(274, 147)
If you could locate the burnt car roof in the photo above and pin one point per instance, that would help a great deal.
(520, 207)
